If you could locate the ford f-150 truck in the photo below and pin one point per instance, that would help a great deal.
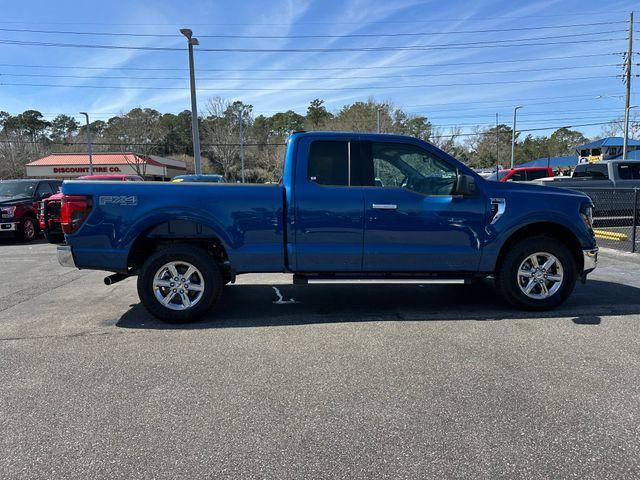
(379, 208)
(19, 204)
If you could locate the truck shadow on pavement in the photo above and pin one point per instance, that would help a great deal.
(280, 305)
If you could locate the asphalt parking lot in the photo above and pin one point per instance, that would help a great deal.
(316, 381)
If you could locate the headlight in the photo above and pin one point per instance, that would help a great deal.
(8, 212)
(586, 212)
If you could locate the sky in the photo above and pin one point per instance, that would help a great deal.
(457, 62)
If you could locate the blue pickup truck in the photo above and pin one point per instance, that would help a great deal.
(378, 208)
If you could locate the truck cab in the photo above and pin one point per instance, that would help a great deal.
(350, 206)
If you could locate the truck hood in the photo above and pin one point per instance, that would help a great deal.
(517, 188)
(10, 202)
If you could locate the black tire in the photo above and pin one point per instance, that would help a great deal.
(197, 257)
(506, 275)
(28, 229)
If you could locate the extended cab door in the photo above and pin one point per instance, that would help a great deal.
(329, 209)
(414, 221)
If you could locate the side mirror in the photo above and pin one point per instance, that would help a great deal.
(45, 195)
(466, 185)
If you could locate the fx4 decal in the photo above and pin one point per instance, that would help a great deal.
(124, 200)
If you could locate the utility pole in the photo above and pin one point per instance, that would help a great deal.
(378, 119)
(89, 149)
(197, 164)
(497, 144)
(628, 88)
(240, 113)
(513, 134)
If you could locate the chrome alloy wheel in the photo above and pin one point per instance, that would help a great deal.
(178, 285)
(29, 229)
(540, 275)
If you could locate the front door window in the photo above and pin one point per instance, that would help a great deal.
(410, 167)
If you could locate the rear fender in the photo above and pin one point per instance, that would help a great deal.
(178, 223)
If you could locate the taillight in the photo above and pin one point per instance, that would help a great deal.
(74, 211)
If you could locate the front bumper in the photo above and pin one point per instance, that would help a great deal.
(65, 256)
(590, 260)
(9, 226)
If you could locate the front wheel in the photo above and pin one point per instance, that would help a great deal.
(28, 229)
(179, 283)
(537, 273)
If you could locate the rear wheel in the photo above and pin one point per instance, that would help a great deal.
(537, 273)
(179, 283)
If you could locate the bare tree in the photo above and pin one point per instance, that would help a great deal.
(221, 128)
(616, 127)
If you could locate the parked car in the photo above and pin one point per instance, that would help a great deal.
(210, 178)
(521, 174)
(19, 200)
(327, 221)
(49, 211)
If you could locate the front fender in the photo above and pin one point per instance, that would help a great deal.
(499, 233)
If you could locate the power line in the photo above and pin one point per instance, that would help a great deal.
(289, 69)
(313, 89)
(331, 22)
(295, 36)
(446, 46)
(354, 77)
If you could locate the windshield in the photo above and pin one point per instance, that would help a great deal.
(198, 178)
(17, 189)
(497, 176)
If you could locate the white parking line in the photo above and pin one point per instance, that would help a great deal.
(281, 300)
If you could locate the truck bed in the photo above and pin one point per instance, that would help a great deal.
(248, 220)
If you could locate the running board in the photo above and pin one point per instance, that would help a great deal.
(315, 280)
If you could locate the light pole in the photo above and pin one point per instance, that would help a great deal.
(86, 115)
(378, 119)
(191, 41)
(513, 134)
(240, 119)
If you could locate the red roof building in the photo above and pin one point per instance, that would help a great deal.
(72, 165)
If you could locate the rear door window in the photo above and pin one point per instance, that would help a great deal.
(335, 163)
(629, 171)
(598, 171)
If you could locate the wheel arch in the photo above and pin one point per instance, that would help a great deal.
(178, 231)
(548, 229)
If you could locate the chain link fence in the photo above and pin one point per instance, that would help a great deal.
(616, 217)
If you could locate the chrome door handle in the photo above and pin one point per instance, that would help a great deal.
(384, 206)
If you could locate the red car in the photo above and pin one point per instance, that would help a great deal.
(522, 174)
(49, 215)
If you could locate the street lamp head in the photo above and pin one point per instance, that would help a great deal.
(194, 41)
(186, 32)
(83, 113)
